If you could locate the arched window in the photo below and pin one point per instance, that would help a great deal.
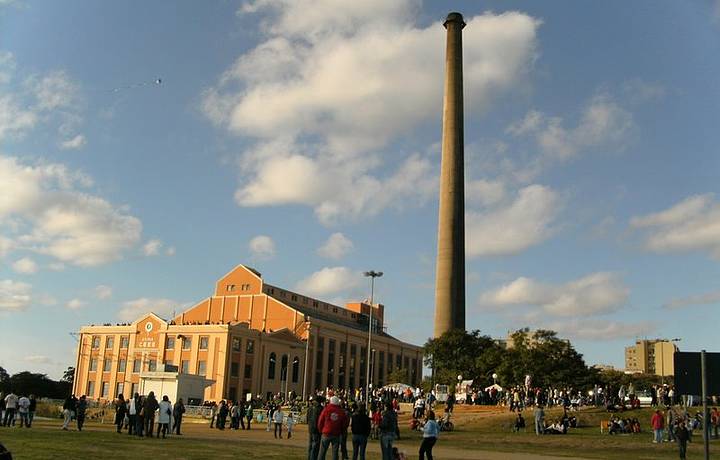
(271, 367)
(295, 370)
(284, 368)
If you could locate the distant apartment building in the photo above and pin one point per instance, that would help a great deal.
(651, 357)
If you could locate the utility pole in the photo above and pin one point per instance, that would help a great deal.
(372, 275)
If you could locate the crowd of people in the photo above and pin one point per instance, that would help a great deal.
(14, 407)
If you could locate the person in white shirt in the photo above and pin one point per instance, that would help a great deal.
(277, 417)
(23, 411)
(132, 413)
(11, 402)
(290, 421)
(164, 413)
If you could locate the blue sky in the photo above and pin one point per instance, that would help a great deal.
(302, 138)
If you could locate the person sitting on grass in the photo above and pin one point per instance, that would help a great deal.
(554, 428)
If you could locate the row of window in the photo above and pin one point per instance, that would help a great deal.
(232, 287)
(105, 389)
(110, 341)
(170, 342)
(272, 362)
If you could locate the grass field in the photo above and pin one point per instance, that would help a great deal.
(485, 435)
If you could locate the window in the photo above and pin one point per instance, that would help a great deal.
(93, 364)
(109, 342)
(271, 366)
(363, 364)
(91, 389)
(236, 344)
(133, 388)
(248, 371)
(152, 365)
(250, 347)
(105, 389)
(234, 370)
(107, 362)
(204, 342)
(186, 343)
(381, 370)
(315, 304)
(353, 357)
(232, 396)
(119, 388)
(319, 362)
(169, 343)
(341, 365)
(295, 370)
(390, 363)
(331, 363)
(202, 368)
(136, 365)
(96, 341)
(335, 310)
(124, 341)
(185, 366)
(122, 364)
(293, 298)
(230, 287)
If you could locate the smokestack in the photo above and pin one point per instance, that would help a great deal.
(450, 274)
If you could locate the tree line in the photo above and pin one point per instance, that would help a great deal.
(40, 385)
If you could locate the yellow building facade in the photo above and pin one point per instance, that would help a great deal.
(249, 337)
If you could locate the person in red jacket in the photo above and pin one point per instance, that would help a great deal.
(658, 423)
(333, 421)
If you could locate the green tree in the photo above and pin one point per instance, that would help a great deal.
(458, 352)
(68, 375)
(398, 376)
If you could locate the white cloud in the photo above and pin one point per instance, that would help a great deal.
(45, 299)
(6, 245)
(594, 294)
(103, 292)
(152, 248)
(76, 142)
(336, 246)
(59, 218)
(14, 119)
(485, 192)
(510, 229)
(14, 295)
(170, 251)
(75, 304)
(603, 124)
(26, 266)
(330, 280)
(133, 309)
(7, 67)
(262, 246)
(691, 225)
(707, 298)
(340, 81)
(38, 359)
(602, 330)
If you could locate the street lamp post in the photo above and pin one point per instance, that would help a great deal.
(372, 275)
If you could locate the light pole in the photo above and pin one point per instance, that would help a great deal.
(307, 349)
(372, 275)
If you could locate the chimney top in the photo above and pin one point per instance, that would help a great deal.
(455, 17)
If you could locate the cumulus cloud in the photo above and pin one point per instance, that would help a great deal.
(593, 294)
(707, 298)
(76, 142)
(75, 304)
(38, 359)
(14, 295)
(691, 225)
(164, 308)
(602, 330)
(330, 280)
(57, 217)
(103, 292)
(323, 80)
(509, 229)
(604, 123)
(336, 246)
(152, 248)
(262, 247)
(26, 266)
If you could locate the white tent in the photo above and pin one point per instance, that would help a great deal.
(399, 387)
(494, 385)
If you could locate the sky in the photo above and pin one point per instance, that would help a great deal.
(146, 148)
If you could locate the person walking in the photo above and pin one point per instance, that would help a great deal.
(314, 434)
(683, 436)
(31, 410)
(657, 422)
(389, 431)
(289, 422)
(178, 411)
(360, 426)
(69, 407)
(331, 423)
(80, 408)
(164, 414)
(150, 405)
(277, 417)
(140, 419)
(213, 413)
(222, 415)
(23, 411)
(249, 413)
(120, 412)
(431, 431)
(234, 417)
(539, 420)
(11, 403)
